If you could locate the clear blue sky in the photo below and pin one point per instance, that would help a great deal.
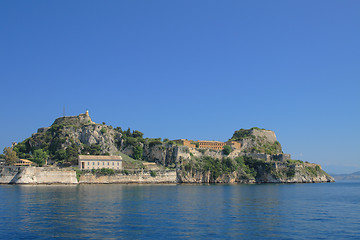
(188, 69)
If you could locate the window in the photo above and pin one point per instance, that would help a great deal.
(93, 163)
(88, 163)
(113, 163)
(108, 163)
(98, 163)
(103, 163)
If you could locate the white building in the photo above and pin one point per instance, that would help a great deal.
(98, 162)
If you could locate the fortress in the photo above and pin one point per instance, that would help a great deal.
(215, 145)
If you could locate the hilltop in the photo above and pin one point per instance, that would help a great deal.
(257, 156)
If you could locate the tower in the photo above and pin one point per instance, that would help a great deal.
(87, 113)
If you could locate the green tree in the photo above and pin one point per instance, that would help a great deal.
(21, 149)
(72, 154)
(60, 154)
(227, 150)
(137, 134)
(10, 156)
(40, 157)
(138, 152)
(118, 129)
(93, 149)
(128, 132)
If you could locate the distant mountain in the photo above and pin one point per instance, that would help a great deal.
(352, 176)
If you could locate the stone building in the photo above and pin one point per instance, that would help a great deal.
(216, 145)
(98, 162)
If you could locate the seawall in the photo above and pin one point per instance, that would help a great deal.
(37, 175)
(53, 175)
(141, 177)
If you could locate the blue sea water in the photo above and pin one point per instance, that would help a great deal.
(266, 211)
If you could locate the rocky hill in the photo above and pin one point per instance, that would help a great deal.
(347, 177)
(257, 140)
(260, 158)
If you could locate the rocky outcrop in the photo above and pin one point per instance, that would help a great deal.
(257, 140)
(78, 131)
(261, 172)
(283, 172)
(206, 177)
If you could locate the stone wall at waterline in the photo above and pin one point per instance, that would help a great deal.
(37, 175)
(141, 177)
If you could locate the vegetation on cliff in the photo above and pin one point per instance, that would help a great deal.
(67, 137)
(257, 140)
(248, 169)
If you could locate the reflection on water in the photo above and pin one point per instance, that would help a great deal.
(268, 211)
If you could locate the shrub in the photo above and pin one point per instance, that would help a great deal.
(40, 157)
(130, 141)
(78, 174)
(103, 171)
(118, 129)
(107, 171)
(93, 149)
(188, 167)
(72, 153)
(137, 134)
(60, 154)
(154, 143)
(202, 150)
(227, 150)
(138, 152)
(311, 171)
(196, 144)
(103, 130)
(152, 173)
(290, 172)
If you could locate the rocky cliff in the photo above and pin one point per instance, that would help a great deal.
(246, 169)
(260, 158)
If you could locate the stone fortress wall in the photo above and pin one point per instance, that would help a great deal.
(54, 175)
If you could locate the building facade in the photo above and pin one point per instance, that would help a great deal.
(88, 162)
(216, 145)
